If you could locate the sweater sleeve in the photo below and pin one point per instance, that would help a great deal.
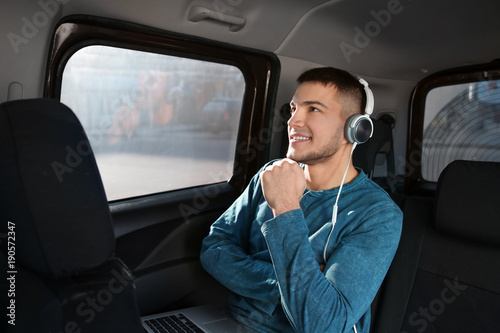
(225, 256)
(333, 300)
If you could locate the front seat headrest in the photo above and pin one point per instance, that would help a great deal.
(51, 189)
(467, 200)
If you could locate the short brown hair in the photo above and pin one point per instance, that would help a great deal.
(350, 92)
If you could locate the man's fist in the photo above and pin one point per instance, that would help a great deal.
(283, 184)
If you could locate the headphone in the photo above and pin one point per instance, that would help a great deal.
(359, 127)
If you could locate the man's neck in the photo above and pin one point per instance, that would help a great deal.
(328, 174)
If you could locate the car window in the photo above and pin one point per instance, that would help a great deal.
(461, 122)
(155, 122)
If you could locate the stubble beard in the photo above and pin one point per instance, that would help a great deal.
(320, 155)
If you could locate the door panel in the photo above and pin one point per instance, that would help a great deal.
(159, 239)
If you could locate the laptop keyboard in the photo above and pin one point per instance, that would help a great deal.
(173, 324)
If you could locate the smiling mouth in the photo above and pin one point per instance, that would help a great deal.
(299, 138)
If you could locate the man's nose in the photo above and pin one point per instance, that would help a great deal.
(297, 119)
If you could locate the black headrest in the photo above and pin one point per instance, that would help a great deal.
(51, 190)
(467, 202)
(364, 156)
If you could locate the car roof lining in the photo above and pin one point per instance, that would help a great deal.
(456, 32)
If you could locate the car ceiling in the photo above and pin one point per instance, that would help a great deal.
(419, 38)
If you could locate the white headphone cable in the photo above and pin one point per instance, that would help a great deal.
(335, 206)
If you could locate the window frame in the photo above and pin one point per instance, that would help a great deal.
(260, 70)
(415, 183)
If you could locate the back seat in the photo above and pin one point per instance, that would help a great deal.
(445, 276)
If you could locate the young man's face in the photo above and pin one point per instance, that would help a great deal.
(316, 127)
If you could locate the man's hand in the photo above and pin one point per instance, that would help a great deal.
(283, 184)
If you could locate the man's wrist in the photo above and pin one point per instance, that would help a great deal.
(284, 209)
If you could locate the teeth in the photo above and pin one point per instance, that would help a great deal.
(300, 138)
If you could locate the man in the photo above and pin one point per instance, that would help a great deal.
(290, 267)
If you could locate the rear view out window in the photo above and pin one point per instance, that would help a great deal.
(461, 122)
(155, 122)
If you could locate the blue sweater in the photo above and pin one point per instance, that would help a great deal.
(271, 265)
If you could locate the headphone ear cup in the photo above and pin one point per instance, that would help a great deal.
(358, 128)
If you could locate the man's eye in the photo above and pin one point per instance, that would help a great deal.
(292, 109)
(313, 109)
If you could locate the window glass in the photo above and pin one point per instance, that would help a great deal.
(462, 122)
(155, 122)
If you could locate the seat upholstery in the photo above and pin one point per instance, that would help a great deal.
(365, 155)
(445, 275)
(53, 194)
(475, 185)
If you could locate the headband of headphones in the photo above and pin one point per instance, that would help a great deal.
(370, 100)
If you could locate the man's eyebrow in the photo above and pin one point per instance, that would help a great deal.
(312, 103)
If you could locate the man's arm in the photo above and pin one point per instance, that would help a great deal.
(225, 256)
(335, 300)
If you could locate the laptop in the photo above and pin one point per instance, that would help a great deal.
(199, 319)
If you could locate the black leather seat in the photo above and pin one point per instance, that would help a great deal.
(64, 273)
(446, 273)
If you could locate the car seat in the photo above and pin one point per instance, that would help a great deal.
(445, 275)
(59, 241)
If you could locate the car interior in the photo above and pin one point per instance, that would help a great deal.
(128, 127)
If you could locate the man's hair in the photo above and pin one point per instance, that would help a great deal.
(350, 92)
